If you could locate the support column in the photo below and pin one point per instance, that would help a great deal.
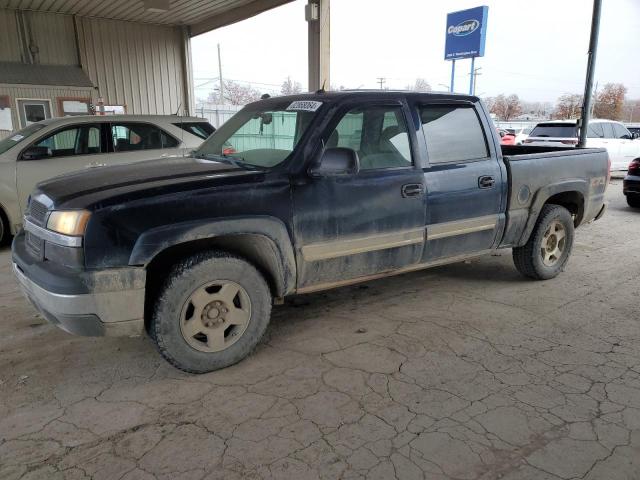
(318, 19)
(189, 104)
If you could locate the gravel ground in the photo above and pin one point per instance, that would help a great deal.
(461, 372)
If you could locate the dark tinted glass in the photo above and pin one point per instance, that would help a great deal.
(555, 130)
(129, 137)
(452, 133)
(78, 140)
(199, 129)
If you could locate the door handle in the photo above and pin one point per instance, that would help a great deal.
(96, 164)
(412, 190)
(486, 181)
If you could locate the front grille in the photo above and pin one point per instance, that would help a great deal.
(37, 212)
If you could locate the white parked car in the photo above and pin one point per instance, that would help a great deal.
(609, 134)
(57, 146)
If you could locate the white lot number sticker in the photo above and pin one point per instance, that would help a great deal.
(17, 138)
(304, 106)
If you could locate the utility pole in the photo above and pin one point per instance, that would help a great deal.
(474, 80)
(591, 66)
(220, 76)
(381, 81)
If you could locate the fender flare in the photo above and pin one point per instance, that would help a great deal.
(156, 240)
(545, 193)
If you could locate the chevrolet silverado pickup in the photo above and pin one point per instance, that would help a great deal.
(292, 195)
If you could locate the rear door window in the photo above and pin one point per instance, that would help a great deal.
(129, 137)
(608, 130)
(557, 130)
(453, 133)
(595, 130)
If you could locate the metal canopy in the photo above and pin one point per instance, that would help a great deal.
(200, 15)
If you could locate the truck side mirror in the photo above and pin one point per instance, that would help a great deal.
(336, 162)
(36, 153)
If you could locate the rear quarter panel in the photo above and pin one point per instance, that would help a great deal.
(536, 177)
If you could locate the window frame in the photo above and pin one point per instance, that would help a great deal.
(111, 123)
(347, 106)
(459, 104)
(55, 131)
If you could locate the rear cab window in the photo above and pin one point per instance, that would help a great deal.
(444, 126)
(555, 130)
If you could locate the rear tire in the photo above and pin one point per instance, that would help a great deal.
(546, 253)
(633, 201)
(5, 231)
(211, 312)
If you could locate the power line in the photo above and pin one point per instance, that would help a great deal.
(381, 81)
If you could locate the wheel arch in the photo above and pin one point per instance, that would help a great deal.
(262, 241)
(569, 194)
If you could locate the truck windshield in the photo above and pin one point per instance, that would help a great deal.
(260, 137)
(20, 135)
(558, 130)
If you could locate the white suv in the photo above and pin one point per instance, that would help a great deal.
(613, 136)
(57, 146)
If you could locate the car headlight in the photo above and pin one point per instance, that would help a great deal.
(69, 222)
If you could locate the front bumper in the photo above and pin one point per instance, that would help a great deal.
(108, 302)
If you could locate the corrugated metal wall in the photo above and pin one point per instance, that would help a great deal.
(133, 64)
(55, 37)
(9, 38)
(41, 92)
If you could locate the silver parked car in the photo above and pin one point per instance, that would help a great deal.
(57, 146)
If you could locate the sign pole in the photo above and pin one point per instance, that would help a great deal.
(453, 74)
(591, 64)
(471, 75)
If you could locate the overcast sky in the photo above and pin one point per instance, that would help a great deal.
(536, 49)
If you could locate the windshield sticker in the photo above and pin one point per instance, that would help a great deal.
(17, 138)
(304, 106)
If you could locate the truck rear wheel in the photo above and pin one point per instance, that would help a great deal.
(211, 312)
(5, 232)
(549, 247)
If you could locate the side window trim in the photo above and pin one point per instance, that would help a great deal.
(462, 104)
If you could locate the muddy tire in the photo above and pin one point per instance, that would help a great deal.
(211, 312)
(633, 201)
(546, 253)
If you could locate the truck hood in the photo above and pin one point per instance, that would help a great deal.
(135, 180)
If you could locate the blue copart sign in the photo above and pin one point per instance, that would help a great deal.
(466, 33)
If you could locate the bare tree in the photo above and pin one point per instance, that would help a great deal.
(505, 108)
(609, 103)
(238, 94)
(421, 85)
(568, 106)
(290, 87)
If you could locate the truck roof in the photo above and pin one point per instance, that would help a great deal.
(336, 95)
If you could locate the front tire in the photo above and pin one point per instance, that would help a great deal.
(5, 232)
(546, 253)
(633, 201)
(211, 312)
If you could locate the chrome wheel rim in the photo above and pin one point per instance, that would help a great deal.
(553, 243)
(215, 316)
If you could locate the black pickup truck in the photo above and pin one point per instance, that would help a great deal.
(292, 195)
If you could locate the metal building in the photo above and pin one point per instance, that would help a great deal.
(63, 57)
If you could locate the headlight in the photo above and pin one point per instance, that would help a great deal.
(70, 222)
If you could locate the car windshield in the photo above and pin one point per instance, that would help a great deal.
(260, 135)
(19, 136)
(561, 130)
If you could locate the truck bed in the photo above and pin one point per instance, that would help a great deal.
(538, 173)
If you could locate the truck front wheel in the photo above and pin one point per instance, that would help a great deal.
(211, 312)
(633, 201)
(549, 247)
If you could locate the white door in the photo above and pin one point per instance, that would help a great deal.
(629, 148)
(612, 145)
(65, 150)
(32, 110)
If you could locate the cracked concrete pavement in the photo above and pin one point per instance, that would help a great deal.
(461, 372)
